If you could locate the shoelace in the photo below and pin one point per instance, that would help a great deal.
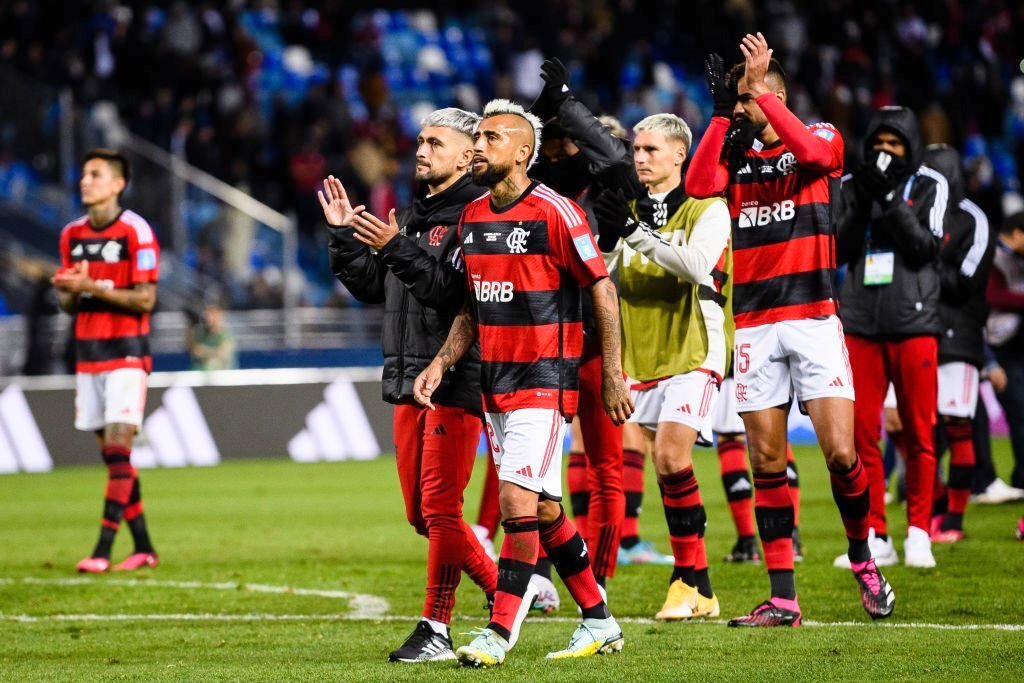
(579, 633)
(869, 575)
(476, 632)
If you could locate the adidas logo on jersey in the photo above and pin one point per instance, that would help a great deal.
(746, 170)
(525, 472)
(837, 382)
(685, 408)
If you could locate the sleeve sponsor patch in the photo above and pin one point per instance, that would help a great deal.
(145, 259)
(825, 133)
(585, 247)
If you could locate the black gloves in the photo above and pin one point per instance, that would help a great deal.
(722, 95)
(742, 132)
(614, 219)
(880, 175)
(555, 90)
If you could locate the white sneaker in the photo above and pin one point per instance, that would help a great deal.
(547, 599)
(842, 561)
(998, 492)
(592, 637)
(485, 540)
(883, 552)
(917, 549)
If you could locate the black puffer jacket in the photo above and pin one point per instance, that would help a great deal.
(910, 226)
(419, 278)
(603, 162)
(968, 246)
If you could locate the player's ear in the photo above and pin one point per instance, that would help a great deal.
(465, 159)
(524, 154)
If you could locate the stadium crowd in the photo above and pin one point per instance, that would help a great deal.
(271, 95)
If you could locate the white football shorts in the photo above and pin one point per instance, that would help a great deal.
(526, 445)
(958, 389)
(113, 397)
(807, 357)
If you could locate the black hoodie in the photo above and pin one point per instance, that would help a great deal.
(968, 247)
(418, 276)
(910, 227)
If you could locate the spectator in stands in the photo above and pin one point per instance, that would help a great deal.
(210, 341)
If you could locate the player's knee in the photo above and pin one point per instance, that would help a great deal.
(670, 458)
(840, 457)
(767, 460)
(118, 434)
(442, 520)
(548, 512)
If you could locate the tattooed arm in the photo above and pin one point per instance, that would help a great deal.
(617, 403)
(460, 340)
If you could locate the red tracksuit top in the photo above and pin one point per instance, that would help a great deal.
(526, 264)
(781, 199)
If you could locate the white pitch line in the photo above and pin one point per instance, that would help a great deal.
(367, 607)
(27, 618)
(361, 605)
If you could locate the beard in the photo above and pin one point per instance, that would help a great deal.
(431, 176)
(491, 174)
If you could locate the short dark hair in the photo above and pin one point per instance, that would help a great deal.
(774, 68)
(1012, 222)
(113, 157)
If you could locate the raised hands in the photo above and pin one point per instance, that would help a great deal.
(374, 232)
(757, 55)
(722, 97)
(338, 209)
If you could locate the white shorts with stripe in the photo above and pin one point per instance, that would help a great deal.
(806, 357)
(958, 389)
(113, 397)
(526, 446)
(726, 419)
(687, 399)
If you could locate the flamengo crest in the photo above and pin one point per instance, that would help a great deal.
(516, 240)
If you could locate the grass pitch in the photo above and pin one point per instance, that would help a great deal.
(261, 560)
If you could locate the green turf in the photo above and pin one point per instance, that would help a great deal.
(341, 527)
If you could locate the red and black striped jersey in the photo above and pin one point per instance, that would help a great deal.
(120, 255)
(526, 264)
(783, 227)
(782, 203)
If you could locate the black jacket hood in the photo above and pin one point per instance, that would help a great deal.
(903, 122)
(946, 160)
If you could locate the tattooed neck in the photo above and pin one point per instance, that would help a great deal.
(507, 191)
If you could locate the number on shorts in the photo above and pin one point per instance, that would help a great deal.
(743, 357)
